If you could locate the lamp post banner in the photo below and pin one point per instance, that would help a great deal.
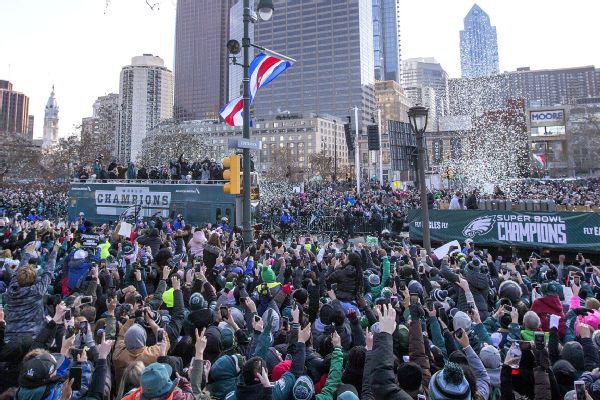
(572, 230)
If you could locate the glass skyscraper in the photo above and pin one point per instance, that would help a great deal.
(332, 41)
(478, 45)
(201, 63)
(386, 39)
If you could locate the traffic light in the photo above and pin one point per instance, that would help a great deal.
(450, 173)
(231, 173)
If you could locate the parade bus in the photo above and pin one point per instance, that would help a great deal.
(199, 203)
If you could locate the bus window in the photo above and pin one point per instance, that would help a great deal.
(218, 215)
(228, 215)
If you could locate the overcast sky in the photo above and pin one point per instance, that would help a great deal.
(80, 45)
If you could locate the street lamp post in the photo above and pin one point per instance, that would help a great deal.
(418, 120)
(265, 12)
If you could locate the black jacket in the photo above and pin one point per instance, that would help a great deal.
(345, 278)
(383, 378)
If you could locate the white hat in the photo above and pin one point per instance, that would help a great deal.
(80, 255)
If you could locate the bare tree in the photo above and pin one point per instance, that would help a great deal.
(284, 165)
(171, 142)
(19, 157)
(584, 144)
(321, 165)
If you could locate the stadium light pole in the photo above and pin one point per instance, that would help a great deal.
(418, 116)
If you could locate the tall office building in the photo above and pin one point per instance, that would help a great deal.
(145, 99)
(538, 88)
(332, 42)
(478, 45)
(50, 136)
(426, 72)
(30, 120)
(102, 128)
(386, 39)
(201, 63)
(14, 109)
(236, 31)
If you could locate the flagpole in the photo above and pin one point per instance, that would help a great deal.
(247, 230)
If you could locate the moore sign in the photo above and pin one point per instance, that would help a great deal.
(547, 117)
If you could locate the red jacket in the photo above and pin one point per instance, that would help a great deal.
(544, 307)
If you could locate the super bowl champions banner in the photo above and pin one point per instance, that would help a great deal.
(575, 231)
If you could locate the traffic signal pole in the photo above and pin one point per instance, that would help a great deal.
(246, 210)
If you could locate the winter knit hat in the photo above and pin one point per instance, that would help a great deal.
(449, 383)
(135, 337)
(573, 353)
(461, 320)
(490, 357)
(374, 280)
(510, 290)
(168, 298)
(550, 289)
(197, 302)
(267, 274)
(80, 255)
(439, 295)
(303, 389)
(346, 391)
(201, 318)
(415, 287)
(411, 375)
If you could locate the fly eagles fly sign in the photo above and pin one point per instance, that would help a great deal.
(508, 228)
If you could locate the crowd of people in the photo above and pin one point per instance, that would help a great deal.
(23, 201)
(198, 313)
(180, 170)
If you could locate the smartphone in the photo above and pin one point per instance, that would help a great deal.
(138, 299)
(224, 312)
(68, 314)
(402, 285)
(421, 397)
(285, 323)
(75, 374)
(577, 280)
(579, 390)
(83, 327)
(160, 335)
(508, 309)
(423, 253)
(589, 270)
(429, 304)
(256, 318)
(414, 298)
(539, 340)
(459, 333)
(86, 299)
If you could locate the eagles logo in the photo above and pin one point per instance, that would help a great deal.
(479, 226)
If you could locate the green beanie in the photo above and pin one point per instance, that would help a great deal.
(167, 297)
(267, 274)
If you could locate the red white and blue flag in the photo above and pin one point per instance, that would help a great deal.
(263, 69)
(540, 158)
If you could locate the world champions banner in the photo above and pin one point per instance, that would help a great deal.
(561, 230)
